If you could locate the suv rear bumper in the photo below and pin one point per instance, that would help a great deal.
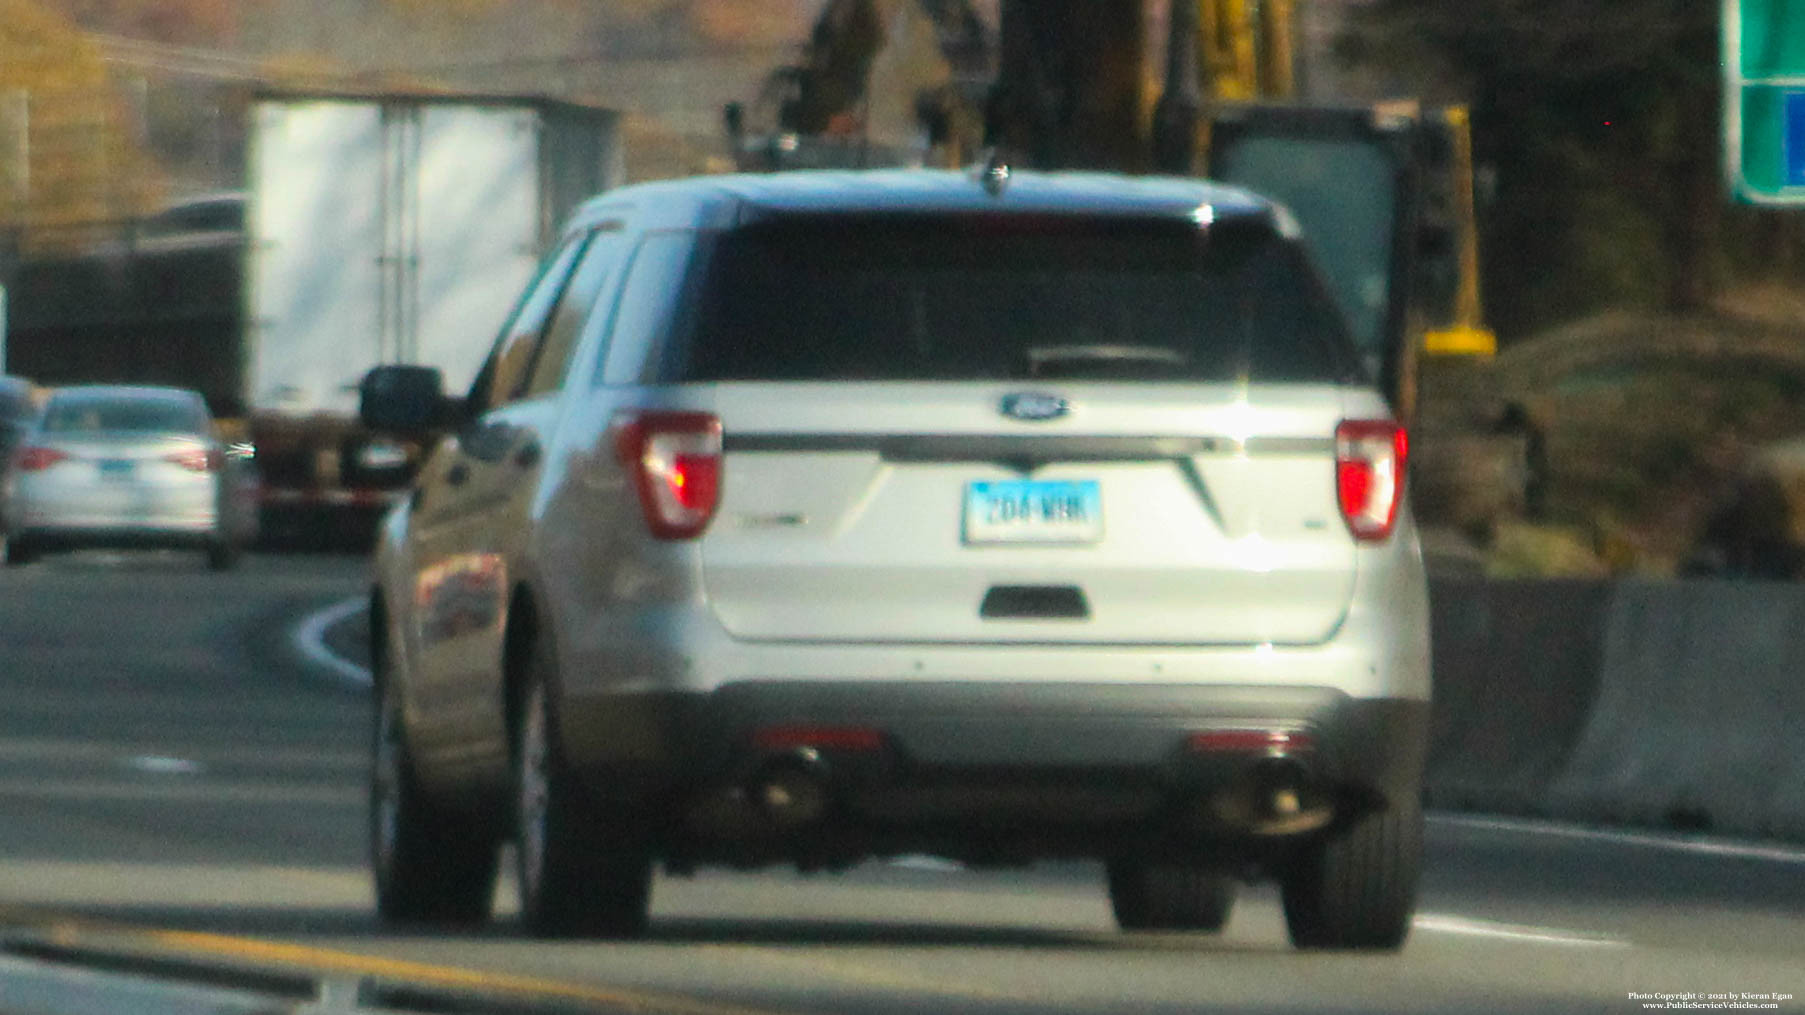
(899, 757)
(1095, 726)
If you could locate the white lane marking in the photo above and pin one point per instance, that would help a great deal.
(160, 764)
(192, 791)
(61, 883)
(932, 864)
(1648, 840)
(1443, 923)
(39, 750)
(310, 640)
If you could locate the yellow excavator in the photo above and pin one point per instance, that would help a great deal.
(1384, 191)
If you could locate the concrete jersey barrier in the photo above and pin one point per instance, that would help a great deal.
(1696, 725)
(1516, 671)
(1669, 704)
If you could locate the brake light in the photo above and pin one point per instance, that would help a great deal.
(675, 461)
(1251, 741)
(832, 738)
(36, 459)
(197, 459)
(1370, 459)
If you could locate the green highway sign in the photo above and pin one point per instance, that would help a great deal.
(1764, 100)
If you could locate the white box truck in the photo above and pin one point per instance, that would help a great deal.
(388, 228)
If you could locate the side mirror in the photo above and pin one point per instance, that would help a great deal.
(403, 399)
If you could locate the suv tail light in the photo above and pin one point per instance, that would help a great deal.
(1370, 458)
(197, 459)
(36, 459)
(674, 459)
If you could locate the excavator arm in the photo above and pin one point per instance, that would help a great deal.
(1384, 193)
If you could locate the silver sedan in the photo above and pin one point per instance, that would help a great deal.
(123, 467)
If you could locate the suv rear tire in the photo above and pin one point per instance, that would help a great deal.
(431, 865)
(585, 869)
(1167, 896)
(1357, 889)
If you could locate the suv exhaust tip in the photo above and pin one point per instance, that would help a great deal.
(1278, 796)
(791, 791)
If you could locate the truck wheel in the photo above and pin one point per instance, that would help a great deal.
(430, 865)
(1357, 888)
(585, 869)
(222, 556)
(19, 553)
(1165, 896)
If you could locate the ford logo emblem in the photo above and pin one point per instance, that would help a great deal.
(1035, 406)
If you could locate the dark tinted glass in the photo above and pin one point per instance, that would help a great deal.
(1351, 240)
(1005, 298)
(503, 375)
(88, 414)
(655, 304)
(213, 215)
(574, 308)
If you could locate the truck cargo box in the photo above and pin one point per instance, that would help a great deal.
(399, 228)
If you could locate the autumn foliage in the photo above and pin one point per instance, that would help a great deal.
(66, 151)
(102, 114)
(189, 22)
(736, 23)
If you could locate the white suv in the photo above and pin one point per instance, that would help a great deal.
(818, 517)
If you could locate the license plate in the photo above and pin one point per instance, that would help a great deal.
(1034, 511)
(116, 469)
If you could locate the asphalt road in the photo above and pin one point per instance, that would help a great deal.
(175, 775)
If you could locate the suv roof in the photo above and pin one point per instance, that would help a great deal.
(727, 201)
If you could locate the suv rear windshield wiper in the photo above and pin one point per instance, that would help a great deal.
(950, 298)
(1127, 360)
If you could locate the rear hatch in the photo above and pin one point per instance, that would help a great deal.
(1078, 431)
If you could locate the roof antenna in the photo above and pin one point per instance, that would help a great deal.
(994, 173)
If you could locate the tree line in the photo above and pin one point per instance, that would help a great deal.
(1597, 129)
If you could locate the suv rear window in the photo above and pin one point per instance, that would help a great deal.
(981, 298)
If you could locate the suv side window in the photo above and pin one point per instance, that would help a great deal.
(607, 249)
(504, 373)
(649, 303)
